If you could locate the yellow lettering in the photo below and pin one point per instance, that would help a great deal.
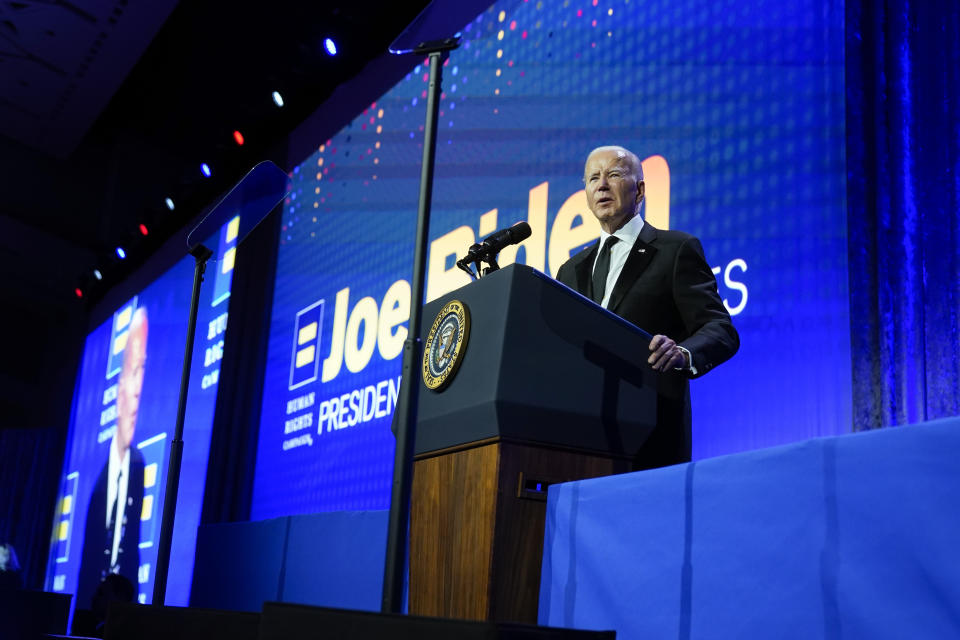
(356, 357)
(656, 178)
(439, 279)
(536, 244)
(331, 366)
(488, 223)
(394, 310)
(573, 227)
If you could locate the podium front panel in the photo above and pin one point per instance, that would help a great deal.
(542, 365)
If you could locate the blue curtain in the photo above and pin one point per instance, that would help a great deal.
(903, 170)
(30, 461)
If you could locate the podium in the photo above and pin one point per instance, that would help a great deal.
(550, 388)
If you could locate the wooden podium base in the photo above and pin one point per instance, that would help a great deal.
(476, 526)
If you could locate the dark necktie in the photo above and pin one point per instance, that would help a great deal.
(601, 269)
(115, 509)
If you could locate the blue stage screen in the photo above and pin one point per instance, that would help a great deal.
(81, 518)
(738, 114)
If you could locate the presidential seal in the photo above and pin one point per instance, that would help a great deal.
(445, 345)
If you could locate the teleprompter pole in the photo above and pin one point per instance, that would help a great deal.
(201, 254)
(396, 560)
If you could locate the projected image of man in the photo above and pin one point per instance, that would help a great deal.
(112, 533)
(658, 280)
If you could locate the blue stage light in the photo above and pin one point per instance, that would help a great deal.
(169, 204)
(121, 253)
(277, 99)
(97, 274)
(205, 169)
(330, 46)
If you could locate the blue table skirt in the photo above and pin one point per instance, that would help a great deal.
(856, 536)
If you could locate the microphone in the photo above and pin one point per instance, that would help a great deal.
(490, 246)
(496, 241)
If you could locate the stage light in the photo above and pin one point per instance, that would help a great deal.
(238, 137)
(277, 99)
(143, 229)
(79, 292)
(121, 253)
(205, 169)
(97, 274)
(169, 204)
(330, 46)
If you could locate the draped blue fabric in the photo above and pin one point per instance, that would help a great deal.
(29, 481)
(903, 166)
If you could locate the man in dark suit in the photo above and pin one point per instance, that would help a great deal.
(111, 541)
(660, 281)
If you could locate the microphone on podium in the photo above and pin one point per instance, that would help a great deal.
(489, 247)
(505, 237)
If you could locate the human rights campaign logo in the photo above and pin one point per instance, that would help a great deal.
(118, 337)
(305, 361)
(228, 254)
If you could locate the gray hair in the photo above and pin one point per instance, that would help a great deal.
(632, 159)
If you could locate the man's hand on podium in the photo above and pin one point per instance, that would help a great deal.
(667, 354)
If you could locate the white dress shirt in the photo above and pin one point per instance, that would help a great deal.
(115, 466)
(626, 236)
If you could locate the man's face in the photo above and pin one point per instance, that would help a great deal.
(613, 191)
(130, 385)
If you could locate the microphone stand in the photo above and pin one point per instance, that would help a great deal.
(478, 254)
(397, 530)
(201, 254)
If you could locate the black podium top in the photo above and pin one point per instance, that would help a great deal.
(544, 365)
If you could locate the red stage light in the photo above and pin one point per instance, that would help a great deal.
(143, 229)
(79, 292)
(238, 137)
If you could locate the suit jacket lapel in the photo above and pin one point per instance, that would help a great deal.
(640, 256)
(584, 270)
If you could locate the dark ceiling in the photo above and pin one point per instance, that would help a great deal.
(109, 106)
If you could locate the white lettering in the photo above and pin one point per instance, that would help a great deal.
(735, 285)
(296, 424)
(298, 441)
(301, 402)
(210, 379)
(214, 353)
(217, 326)
(381, 398)
(353, 408)
(369, 403)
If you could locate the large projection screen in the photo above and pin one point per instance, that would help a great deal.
(737, 111)
(125, 399)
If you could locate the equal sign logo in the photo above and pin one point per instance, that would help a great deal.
(64, 519)
(305, 361)
(226, 257)
(118, 337)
